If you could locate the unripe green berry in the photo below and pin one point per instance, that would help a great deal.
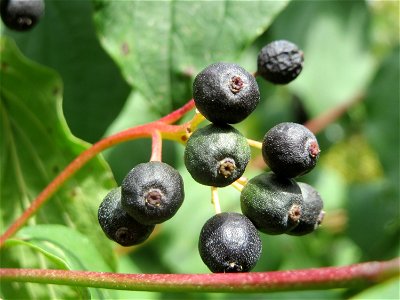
(272, 203)
(216, 155)
(118, 225)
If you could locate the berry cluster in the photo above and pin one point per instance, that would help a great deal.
(21, 15)
(151, 193)
(217, 155)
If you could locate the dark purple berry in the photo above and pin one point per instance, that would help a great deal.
(229, 242)
(280, 62)
(290, 149)
(21, 15)
(152, 192)
(118, 225)
(311, 213)
(225, 93)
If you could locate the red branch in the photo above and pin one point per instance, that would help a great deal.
(177, 114)
(356, 275)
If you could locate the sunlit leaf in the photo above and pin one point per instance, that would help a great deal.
(161, 45)
(36, 145)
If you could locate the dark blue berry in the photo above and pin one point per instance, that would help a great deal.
(280, 62)
(229, 242)
(225, 93)
(152, 192)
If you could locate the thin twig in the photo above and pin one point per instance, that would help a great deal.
(255, 144)
(237, 185)
(215, 199)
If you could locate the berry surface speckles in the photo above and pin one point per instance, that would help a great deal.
(280, 62)
(312, 213)
(216, 155)
(272, 203)
(229, 242)
(118, 225)
(152, 192)
(225, 93)
(290, 149)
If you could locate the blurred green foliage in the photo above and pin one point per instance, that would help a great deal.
(127, 63)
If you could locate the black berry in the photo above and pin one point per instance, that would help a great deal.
(290, 149)
(311, 213)
(21, 15)
(118, 225)
(280, 62)
(225, 93)
(216, 155)
(152, 192)
(272, 203)
(229, 242)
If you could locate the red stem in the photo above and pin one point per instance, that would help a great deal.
(323, 278)
(162, 126)
(156, 146)
(177, 114)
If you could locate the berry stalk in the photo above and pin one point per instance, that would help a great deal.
(156, 146)
(215, 199)
(356, 275)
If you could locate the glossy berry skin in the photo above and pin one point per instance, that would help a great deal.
(280, 62)
(311, 213)
(216, 155)
(290, 149)
(118, 225)
(152, 192)
(225, 93)
(21, 15)
(272, 203)
(229, 243)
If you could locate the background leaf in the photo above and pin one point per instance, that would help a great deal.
(67, 245)
(35, 145)
(161, 45)
(65, 40)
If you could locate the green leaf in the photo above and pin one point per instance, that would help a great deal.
(379, 202)
(385, 290)
(66, 247)
(66, 243)
(382, 107)
(161, 45)
(65, 40)
(36, 145)
(11, 244)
